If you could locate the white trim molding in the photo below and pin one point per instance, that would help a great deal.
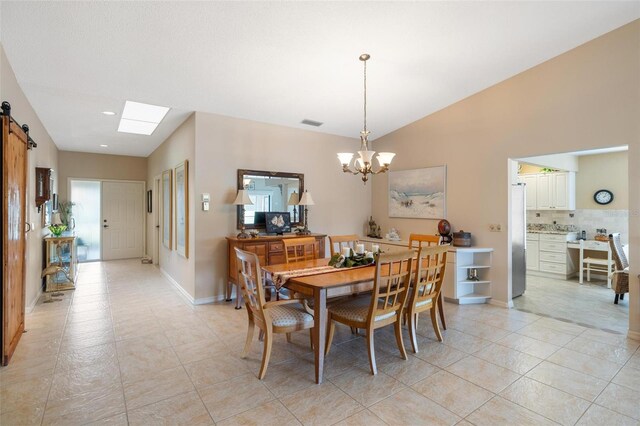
(184, 293)
(500, 303)
(31, 306)
(635, 335)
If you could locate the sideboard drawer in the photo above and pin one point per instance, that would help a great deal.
(550, 256)
(276, 247)
(277, 258)
(260, 248)
(556, 268)
(551, 246)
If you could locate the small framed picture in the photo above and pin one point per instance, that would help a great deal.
(55, 202)
(149, 201)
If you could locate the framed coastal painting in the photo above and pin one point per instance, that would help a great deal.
(167, 211)
(418, 193)
(182, 208)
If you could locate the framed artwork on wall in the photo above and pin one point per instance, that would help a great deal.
(182, 208)
(418, 193)
(167, 211)
(46, 213)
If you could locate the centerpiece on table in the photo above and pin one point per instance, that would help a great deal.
(350, 259)
(57, 227)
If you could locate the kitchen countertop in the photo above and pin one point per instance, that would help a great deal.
(531, 231)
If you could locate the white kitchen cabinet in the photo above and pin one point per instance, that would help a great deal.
(550, 255)
(533, 256)
(556, 191)
(531, 182)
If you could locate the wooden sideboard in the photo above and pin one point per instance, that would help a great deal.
(270, 251)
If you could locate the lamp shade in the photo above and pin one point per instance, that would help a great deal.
(306, 199)
(55, 219)
(345, 158)
(294, 199)
(366, 156)
(242, 198)
(384, 158)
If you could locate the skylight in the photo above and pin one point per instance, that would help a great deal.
(141, 119)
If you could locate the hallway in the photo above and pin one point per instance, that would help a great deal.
(126, 348)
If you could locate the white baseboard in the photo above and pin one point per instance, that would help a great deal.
(211, 299)
(178, 287)
(31, 306)
(500, 303)
(635, 335)
(186, 295)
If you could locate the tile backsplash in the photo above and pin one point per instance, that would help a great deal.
(587, 219)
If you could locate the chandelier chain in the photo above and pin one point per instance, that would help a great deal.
(365, 96)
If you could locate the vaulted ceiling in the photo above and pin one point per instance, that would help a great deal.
(277, 62)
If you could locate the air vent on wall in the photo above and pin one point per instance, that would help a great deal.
(311, 122)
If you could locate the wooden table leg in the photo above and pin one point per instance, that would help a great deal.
(320, 331)
(238, 297)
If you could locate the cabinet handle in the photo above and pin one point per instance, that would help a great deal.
(27, 226)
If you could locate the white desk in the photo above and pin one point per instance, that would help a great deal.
(594, 245)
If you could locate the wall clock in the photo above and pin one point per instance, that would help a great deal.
(603, 196)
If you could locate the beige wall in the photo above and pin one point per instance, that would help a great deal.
(604, 171)
(45, 155)
(224, 145)
(178, 147)
(98, 166)
(584, 99)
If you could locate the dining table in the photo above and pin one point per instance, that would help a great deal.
(320, 286)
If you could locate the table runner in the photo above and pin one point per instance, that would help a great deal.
(280, 278)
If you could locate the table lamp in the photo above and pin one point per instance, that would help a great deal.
(242, 199)
(294, 199)
(305, 201)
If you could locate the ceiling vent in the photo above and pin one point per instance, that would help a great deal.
(311, 122)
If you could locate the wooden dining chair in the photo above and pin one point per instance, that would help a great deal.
(300, 249)
(384, 306)
(341, 241)
(282, 316)
(620, 281)
(417, 241)
(425, 289)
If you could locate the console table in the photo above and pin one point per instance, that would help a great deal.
(60, 263)
(269, 249)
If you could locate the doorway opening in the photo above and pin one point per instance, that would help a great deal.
(109, 218)
(86, 197)
(567, 223)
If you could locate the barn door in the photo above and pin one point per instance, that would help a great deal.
(14, 186)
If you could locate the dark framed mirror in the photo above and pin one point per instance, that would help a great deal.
(270, 192)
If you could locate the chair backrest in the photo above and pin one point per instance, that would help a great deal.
(417, 241)
(251, 285)
(427, 282)
(390, 285)
(617, 252)
(340, 241)
(299, 249)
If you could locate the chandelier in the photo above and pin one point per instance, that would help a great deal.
(363, 164)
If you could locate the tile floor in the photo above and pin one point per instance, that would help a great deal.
(589, 304)
(126, 348)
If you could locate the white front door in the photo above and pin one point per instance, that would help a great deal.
(122, 220)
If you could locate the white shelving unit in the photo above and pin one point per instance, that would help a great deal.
(461, 262)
